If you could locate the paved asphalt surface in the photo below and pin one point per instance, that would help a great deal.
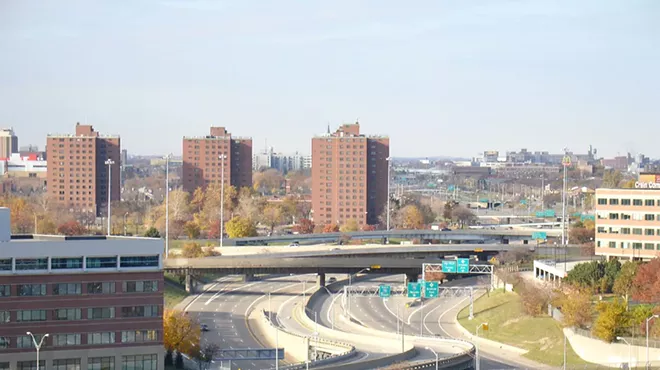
(224, 307)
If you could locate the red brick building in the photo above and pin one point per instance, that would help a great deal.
(99, 300)
(349, 176)
(77, 173)
(202, 164)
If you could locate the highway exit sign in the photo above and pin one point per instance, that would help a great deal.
(463, 265)
(449, 267)
(431, 289)
(384, 291)
(414, 290)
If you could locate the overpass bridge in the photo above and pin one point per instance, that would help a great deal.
(425, 236)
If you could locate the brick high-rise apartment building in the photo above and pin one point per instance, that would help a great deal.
(349, 176)
(202, 165)
(77, 173)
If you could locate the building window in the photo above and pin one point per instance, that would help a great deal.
(649, 202)
(649, 217)
(4, 365)
(625, 202)
(26, 341)
(637, 202)
(68, 314)
(5, 290)
(30, 365)
(139, 362)
(101, 288)
(138, 336)
(31, 264)
(101, 363)
(139, 261)
(99, 313)
(649, 246)
(649, 232)
(31, 315)
(101, 262)
(140, 286)
(637, 245)
(614, 216)
(101, 338)
(67, 289)
(625, 230)
(67, 364)
(4, 317)
(625, 216)
(139, 311)
(637, 231)
(63, 340)
(611, 244)
(614, 202)
(66, 263)
(5, 264)
(31, 290)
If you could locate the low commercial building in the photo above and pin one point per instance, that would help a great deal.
(99, 301)
(628, 222)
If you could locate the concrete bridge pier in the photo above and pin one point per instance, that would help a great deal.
(320, 279)
(247, 278)
(190, 284)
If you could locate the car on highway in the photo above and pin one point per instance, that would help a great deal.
(332, 280)
(294, 244)
(446, 229)
(204, 327)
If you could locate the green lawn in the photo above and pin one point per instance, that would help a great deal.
(541, 336)
(173, 295)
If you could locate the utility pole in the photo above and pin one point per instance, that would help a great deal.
(389, 165)
(167, 205)
(109, 162)
(222, 197)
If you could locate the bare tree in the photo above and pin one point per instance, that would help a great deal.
(205, 355)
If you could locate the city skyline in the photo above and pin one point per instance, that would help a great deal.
(476, 72)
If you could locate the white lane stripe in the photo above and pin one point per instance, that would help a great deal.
(216, 295)
(222, 279)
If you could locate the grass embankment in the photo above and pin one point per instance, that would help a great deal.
(541, 336)
(173, 293)
(178, 244)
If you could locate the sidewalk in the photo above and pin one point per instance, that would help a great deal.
(494, 350)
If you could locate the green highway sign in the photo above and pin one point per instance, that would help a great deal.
(542, 235)
(449, 266)
(384, 291)
(463, 265)
(414, 290)
(431, 289)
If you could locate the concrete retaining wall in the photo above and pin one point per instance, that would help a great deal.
(610, 354)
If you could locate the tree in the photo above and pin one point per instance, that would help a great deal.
(272, 216)
(611, 179)
(447, 209)
(191, 228)
(330, 228)
(623, 283)
(268, 182)
(575, 304)
(152, 232)
(611, 321)
(586, 274)
(351, 225)
(192, 250)
(70, 228)
(463, 216)
(180, 331)
(204, 355)
(304, 226)
(612, 269)
(368, 227)
(646, 285)
(410, 217)
(45, 225)
(240, 227)
(630, 184)
(534, 298)
(581, 235)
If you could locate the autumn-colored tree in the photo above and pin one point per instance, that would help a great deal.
(410, 217)
(272, 215)
(630, 184)
(207, 204)
(623, 283)
(213, 231)
(611, 321)
(269, 181)
(330, 228)
(191, 228)
(575, 306)
(192, 250)
(611, 179)
(581, 235)
(70, 228)
(304, 226)
(21, 214)
(45, 225)
(240, 227)
(646, 285)
(250, 206)
(368, 227)
(463, 216)
(534, 298)
(181, 332)
(351, 225)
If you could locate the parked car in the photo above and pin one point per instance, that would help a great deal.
(294, 244)
(446, 229)
(332, 280)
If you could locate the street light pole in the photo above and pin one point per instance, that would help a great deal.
(37, 345)
(277, 339)
(437, 358)
(109, 162)
(389, 165)
(222, 197)
(476, 344)
(167, 205)
(648, 362)
(629, 349)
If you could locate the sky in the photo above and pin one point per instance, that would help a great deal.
(452, 77)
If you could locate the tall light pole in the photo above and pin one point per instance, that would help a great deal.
(167, 205)
(629, 349)
(483, 326)
(222, 197)
(277, 339)
(648, 362)
(109, 162)
(389, 165)
(566, 161)
(437, 358)
(37, 345)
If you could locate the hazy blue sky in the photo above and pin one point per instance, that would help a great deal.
(440, 77)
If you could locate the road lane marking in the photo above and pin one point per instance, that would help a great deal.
(220, 280)
(220, 293)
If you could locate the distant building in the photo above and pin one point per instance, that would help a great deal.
(491, 156)
(20, 166)
(281, 162)
(77, 173)
(100, 300)
(349, 176)
(8, 142)
(628, 222)
(202, 164)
